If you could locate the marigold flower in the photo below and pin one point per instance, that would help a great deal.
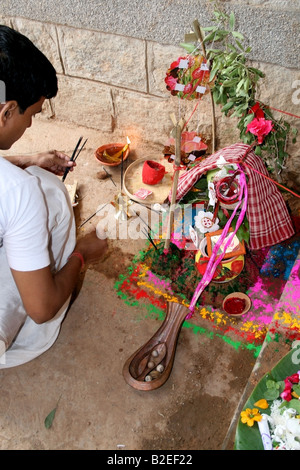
(263, 404)
(250, 416)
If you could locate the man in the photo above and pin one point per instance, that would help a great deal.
(40, 260)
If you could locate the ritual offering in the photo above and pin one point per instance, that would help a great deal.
(153, 172)
(236, 304)
(270, 419)
(138, 191)
(193, 148)
(112, 154)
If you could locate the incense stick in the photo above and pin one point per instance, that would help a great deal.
(144, 205)
(149, 238)
(80, 150)
(93, 215)
(122, 169)
(109, 176)
(71, 159)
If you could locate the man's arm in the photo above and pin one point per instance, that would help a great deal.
(53, 161)
(43, 293)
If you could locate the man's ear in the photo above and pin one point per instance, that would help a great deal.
(6, 111)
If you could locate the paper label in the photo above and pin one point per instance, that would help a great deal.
(201, 89)
(183, 64)
(196, 139)
(204, 66)
(142, 193)
(192, 157)
(179, 87)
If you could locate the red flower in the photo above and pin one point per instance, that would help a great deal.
(289, 381)
(260, 127)
(175, 64)
(286, 395)
(171, 82)
(258, 112)
(199, 74)
(188, 89)
(294, 378)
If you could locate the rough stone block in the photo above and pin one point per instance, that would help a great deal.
(159, 58)
(115, 60)
(85, 103)
(43, 36)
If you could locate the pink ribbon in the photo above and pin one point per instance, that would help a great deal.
(214, 261)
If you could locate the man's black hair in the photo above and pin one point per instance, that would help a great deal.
(27, 73)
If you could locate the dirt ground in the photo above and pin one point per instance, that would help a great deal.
(82, 372)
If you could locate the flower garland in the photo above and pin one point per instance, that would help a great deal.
(188, 77)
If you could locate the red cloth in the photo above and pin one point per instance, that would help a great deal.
(269, 220)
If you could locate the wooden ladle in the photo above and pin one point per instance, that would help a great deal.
(150, 366)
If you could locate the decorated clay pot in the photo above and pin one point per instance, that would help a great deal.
(226, 271)
(153, 172)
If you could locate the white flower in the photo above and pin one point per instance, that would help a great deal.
(285, 427)
(204, 222)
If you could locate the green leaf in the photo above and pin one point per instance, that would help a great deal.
(271, 394)
(227, 106)
(188, 47)
(257, 150)
(294, 403)
(49, 419)
(210, 37)
(240, 45)
(231, 20)
(238, 35)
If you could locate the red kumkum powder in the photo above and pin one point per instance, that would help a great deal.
(234, 305)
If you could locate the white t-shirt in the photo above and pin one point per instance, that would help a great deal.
(34, 206)
(23, 219)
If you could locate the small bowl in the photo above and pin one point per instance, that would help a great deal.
(111, 149)
(236, 308)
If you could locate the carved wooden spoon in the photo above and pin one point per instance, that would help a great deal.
(150, 366)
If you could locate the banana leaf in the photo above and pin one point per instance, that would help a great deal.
(248, 438)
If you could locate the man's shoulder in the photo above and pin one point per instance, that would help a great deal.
(11, 175)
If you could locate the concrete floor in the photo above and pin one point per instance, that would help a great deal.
(82, 372)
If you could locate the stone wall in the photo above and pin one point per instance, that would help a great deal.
(111, 59)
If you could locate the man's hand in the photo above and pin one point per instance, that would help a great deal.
(53, 161)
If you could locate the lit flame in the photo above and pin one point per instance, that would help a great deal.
(127, 145)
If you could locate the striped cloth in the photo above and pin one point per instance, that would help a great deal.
(268, 217)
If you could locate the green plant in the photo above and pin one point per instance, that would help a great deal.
(235, 86)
